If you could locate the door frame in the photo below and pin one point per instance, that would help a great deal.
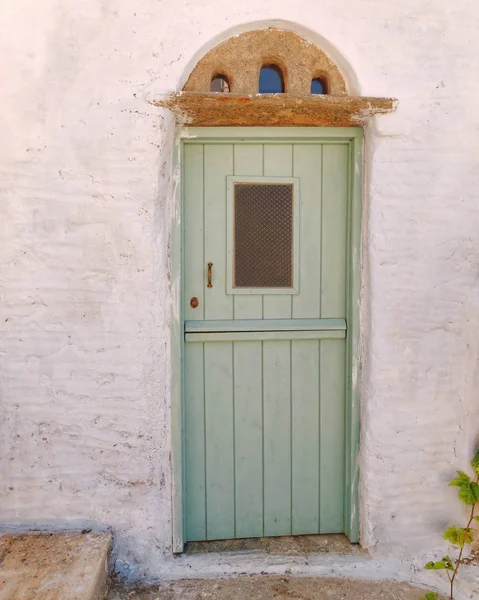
(354, 137)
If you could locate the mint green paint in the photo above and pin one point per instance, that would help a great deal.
(305, 422)
(219, 441)
(266, 325)
(277, 442)
(248, 386)
(242, 336)
(228, 492)
(177, 354)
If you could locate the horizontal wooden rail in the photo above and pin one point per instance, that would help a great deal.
(256, 336)
(262, 325)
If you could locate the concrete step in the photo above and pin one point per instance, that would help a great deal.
(54, 566)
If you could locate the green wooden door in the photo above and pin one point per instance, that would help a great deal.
(264, 353)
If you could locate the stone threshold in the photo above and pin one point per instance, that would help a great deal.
(298, 545)
(59, 566)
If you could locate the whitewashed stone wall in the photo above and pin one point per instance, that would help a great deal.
(84, 290)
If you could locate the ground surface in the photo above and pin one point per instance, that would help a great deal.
(266, 587)
(53, 567)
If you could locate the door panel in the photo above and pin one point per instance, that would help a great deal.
(307, 159)
(264, 443)
(218, 165)
(194, 234)
(195, 442)
(264, 400)
(305, 435)
(248, 160)
(277, 437)
(248, 394)
(331, 435)
(334, 230)
(219, 435)
(278, 162)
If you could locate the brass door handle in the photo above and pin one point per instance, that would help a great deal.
(210, 275)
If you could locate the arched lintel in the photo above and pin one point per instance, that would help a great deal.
(240, 55)
(332, 52)
(246, 53)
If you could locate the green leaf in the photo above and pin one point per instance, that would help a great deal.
(430, 596)
(458, 537)
(475, 460)
(459, 481)
(476, 518)
(450, 535)
(469, 492)
(440, 565)
(466, 494)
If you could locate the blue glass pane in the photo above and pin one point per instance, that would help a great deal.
(317, 87)
(270, 81)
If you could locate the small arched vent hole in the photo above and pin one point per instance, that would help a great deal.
(220, 83)
(271, 80)
(319, 86)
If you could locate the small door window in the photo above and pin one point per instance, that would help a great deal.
(262, 235)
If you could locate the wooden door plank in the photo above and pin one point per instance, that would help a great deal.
(218, 165)
(307, 166)
(305, 437)
(277, 437)
(334, 230)
(332, 448)
(248, 160)
(194, 432)
(248, 383)
(278, 162)
(219, 440)
(193, 232)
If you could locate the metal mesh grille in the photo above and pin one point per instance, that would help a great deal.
(263, 231)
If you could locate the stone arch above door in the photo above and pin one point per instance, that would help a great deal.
(235, 64)
(240, 59)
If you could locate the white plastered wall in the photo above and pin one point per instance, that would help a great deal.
(86, 204)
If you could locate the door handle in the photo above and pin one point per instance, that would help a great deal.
(210, 274)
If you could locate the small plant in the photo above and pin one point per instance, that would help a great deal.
(469, 494)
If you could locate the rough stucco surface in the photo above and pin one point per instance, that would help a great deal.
(241, 57)
(274, 110)
(85, 300)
